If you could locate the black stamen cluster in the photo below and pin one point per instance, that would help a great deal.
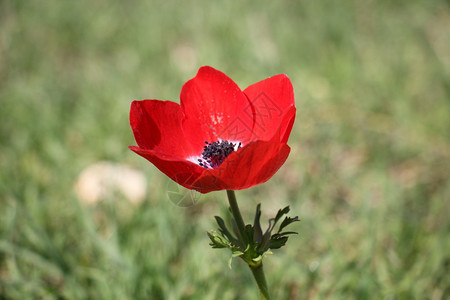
(215, 153)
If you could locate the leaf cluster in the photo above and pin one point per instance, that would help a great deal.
(256, 243)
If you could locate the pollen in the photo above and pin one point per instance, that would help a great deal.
(215, 153)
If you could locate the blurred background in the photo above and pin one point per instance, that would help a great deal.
(368, 174)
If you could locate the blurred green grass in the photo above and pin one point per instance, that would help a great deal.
(368, 172)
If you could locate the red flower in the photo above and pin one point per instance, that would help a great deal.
(218, 137)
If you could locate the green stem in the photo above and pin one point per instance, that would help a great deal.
(257, 271)
(237, 217)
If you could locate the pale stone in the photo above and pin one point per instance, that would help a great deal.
(105, 179)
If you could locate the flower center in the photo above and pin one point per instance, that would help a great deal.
(215, 153)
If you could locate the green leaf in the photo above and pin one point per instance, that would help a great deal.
(287, 221)
(234, 254)
(217, 241)
(278, 242)
(257, 233)
(265, 243)
(224, 230)
(249, 232)
(285, 233)
(280, 213)
(240, 240)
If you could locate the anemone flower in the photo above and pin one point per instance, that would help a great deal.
(219, 137)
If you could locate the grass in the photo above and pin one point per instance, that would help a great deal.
(367, 175)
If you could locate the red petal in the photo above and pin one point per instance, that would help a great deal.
(157, 126)
(181, 171)
(286, 126)
(272, 100)
(213, 99)
(251, 165)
